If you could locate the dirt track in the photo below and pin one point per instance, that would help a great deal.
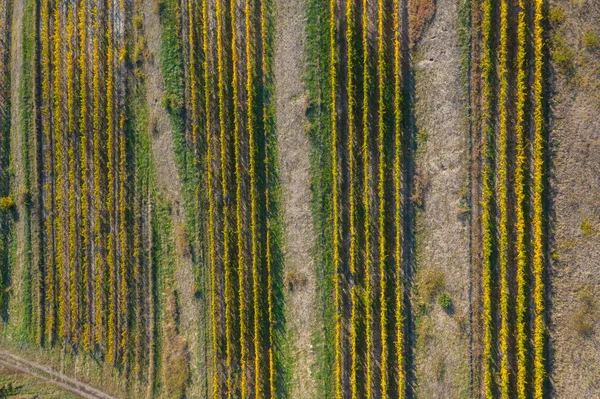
(442, 359)
(294, 152)
(47, 374)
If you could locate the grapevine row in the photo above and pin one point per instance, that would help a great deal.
(98, 214)
(253, 205)
(502, 187)
(267, 124)
(71, 130)
(76, 270)
(529, 331)
(381, 127)
(83, 174)
(356, 286)
(240, 350)
(6, 201)
(398, 198)
(110, 197)
(539, 329)
(49, 282)
(487, 176)
(58, 169)
(520, 197)
(366, 201)
(211, 202)
(352, 206)
(333, 64)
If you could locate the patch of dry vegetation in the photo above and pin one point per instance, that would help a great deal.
(421, 13)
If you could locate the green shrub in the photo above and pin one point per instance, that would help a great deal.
(431, 283)
(445, 301)
(586, 316)
(556, 15)
(591, 40)
(586, 227)
(6, 203)
(562, 55)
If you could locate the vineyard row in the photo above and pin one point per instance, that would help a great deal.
(507, 370)
(366, 150)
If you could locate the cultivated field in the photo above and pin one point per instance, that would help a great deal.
(299, 198)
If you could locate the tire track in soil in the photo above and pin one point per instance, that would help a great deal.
(294, 164)
(49, 375)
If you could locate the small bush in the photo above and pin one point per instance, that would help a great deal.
(431, 283)
(295, 280)
(586, 227)
(182, 242)
(138, 22)
(591, 40)
(420, 185)
(6, 203)
(439, 369)
(25, 198)
(562, 55)
(160, 7)
(556, 16)
(583, 325)
(8, 390)
(445, 301)
(587, 314)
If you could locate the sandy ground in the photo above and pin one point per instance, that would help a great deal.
(294, 150)
(442, 351)
(575, 139)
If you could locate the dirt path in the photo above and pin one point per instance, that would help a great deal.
(47, 374)
(575, 261)
(167, 178)
(294, 150)
(16, 148)
(442, 358)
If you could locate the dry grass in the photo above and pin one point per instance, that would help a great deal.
(6, 203)
(295, 280)
(421, 12)
(431, 283)
(176, 357)
(587, 314)
(182, 242)
(591, 40)
(420, 185)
